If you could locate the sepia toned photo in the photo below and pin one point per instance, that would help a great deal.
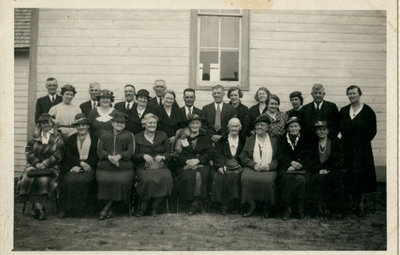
(215, 129)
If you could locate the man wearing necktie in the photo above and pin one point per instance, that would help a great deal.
(319, 110)
(94, 91)
(44, 104)
(218, 114)
(126, 106)
(159, 88)
(189, 97)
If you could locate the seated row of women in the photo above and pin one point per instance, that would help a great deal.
(256, 170)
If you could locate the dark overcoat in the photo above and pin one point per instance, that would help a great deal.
(357, 135)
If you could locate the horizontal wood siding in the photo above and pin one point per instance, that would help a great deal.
(21, 76)
(289, 50)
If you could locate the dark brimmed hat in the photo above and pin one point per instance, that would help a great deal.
(80, 118)
(143, 93)
(320, 123)
(105, 93)
(44, 117)
(262, 118)
(232, 166)
(194, 117)
(291, 120)
(119, 116)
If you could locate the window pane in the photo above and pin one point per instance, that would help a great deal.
(209, 31)
(230, 32)
(209, 66)
(230, 66)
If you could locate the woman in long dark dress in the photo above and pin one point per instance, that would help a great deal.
(242, 111)
(226, 179)
(44, 153)
(100, 117)
(154, 180)
(262, 97)
(115, 171)
(170, 116)
(295, 163)
(193, 163)
(79, 165)
(138, 111)
(326, 172)
(358, 128)
(259, 159)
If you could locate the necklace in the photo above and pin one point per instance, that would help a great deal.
(322, 148)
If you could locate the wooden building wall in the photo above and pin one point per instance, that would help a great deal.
(21, 76)
(289, 50)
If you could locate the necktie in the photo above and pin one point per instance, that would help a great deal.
(52, 99)
(128, 106)
(318, 111)
(159, 101)
(217, 123)
(189, 113)
(94, 105)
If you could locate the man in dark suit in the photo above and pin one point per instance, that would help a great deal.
(189, 96)
(94, 91)
(159, 88)
(319, 110)
(44, 104)
(218, 114)
(126, 106)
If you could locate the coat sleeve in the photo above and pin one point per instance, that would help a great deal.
(38, 110)
(274, 162)
(245, 158)
(71, 158)
(206, 150)
(372, 127)
(127, 154)
(101, 152)
(284, 158)
(57, 153)
(219, 157)
(92, 157)
(31, 157)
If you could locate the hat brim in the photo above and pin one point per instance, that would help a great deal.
(81, 122)
(119, 119)
(187, 122)
(237, 170)
(297, 121)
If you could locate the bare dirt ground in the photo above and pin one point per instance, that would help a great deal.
(207, 231)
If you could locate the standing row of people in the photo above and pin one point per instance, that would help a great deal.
(266, 127)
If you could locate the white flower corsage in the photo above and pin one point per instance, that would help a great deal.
(185, 142)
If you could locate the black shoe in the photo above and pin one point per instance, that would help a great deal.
(62, 215)
(139, 213)
(103, 214)
(35, 213)
(248, 213)
(110, 214)
(287, 213)
(266, 214)
(223, 210)
(42, 214)
(153, 212)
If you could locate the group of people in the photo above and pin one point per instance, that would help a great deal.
(225, 153)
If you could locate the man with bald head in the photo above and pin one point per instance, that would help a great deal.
(319, 110)
(94, 91)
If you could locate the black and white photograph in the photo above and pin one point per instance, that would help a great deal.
(222, 127)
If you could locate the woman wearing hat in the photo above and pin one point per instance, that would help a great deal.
(77, 174)
(115, 172)
(259, 159)
(358, 129)
(193, 165)
(295, 163)
(226, 178)
(277, 118)
(327, 171)
(154, 180)
(44, 153)
(296, 100)
(65, 112)
(100, 117)
(138, 111)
